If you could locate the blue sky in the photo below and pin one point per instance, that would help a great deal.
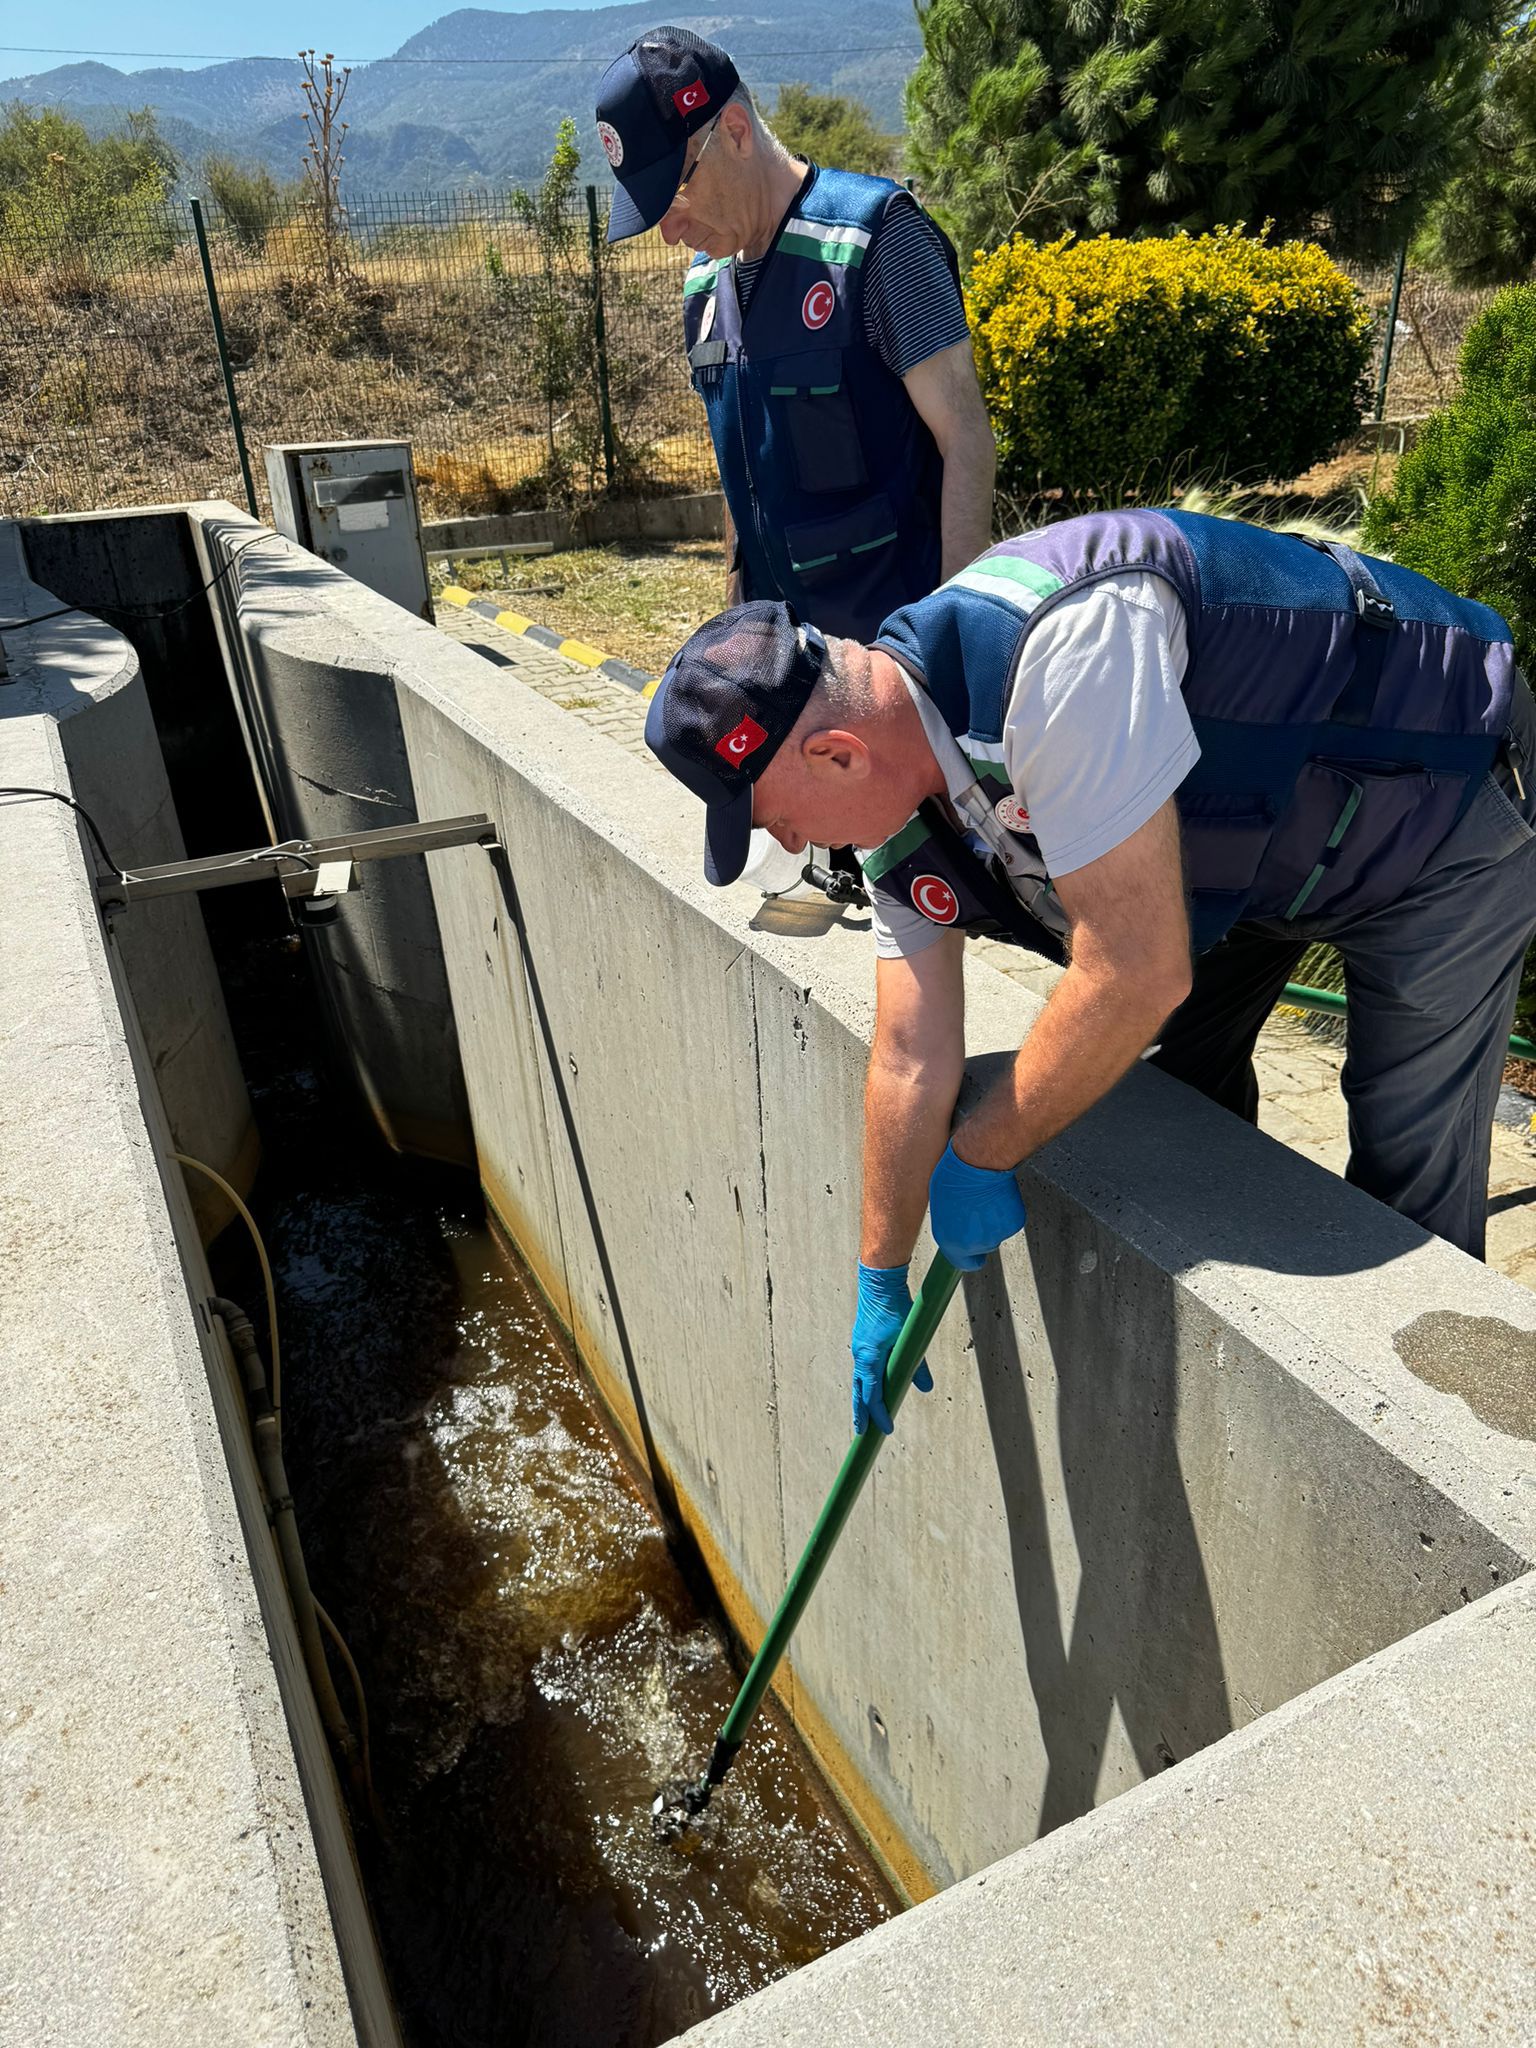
(352, 28)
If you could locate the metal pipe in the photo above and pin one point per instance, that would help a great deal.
(1390, 335)
(600, 338)
(223, 348)
(1330, 1000)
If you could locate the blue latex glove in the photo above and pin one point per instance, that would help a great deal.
(971, 1210)
(883, 1305)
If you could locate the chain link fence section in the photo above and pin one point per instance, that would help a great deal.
(1423, 350)
(109, 382)
(528, 368)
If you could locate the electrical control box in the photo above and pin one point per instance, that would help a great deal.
(353, 503)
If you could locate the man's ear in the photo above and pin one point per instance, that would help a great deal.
(833, 752)
(737, 123)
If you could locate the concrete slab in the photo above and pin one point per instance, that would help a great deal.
(1360, 1866)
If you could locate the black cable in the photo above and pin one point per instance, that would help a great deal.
(128, 611)
(60, 798)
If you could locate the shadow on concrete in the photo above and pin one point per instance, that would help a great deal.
(1141, 1634)
(656, 1473)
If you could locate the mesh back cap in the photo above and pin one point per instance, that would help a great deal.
(727, 703)
(668, 84)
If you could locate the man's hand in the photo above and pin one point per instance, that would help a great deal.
(972, 1210)
(884, 1302)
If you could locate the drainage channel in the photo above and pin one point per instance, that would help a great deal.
(534, 1662)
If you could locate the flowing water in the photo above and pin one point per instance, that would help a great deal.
(534, 1662)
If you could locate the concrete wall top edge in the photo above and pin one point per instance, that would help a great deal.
(1323, 1278)
(161, 1878)
(1223, 1902)
(62, 665)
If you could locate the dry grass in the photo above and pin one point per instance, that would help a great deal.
(110, 389)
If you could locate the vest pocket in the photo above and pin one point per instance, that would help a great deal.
(1225, 838)
(850, 556)
(812, 400)
(1355, 835)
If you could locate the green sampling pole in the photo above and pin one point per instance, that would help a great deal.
(679, 1804)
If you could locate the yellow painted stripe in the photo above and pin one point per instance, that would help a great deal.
(578, 650)
(513, 621)
(652, 687)
(455, 595)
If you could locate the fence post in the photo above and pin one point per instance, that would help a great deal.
(600, 336)
(1386, 346)
(223, 348)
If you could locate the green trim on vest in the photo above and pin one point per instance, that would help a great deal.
(1008, 570)
(989, 771)
(1351, 805)
(911, 836)
(849, 253)
(704, 277)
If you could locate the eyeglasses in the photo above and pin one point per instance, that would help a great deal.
(683, 182)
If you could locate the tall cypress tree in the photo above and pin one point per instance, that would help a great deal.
(1339, 117)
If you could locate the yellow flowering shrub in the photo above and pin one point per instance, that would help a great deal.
(1114, 364)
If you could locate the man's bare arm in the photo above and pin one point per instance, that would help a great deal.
(915, 1068)
(948, 398)
(1130, 969)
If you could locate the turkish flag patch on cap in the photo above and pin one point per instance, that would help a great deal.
(689, 98)
(741, 740)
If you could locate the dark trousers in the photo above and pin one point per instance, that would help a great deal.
(1431, 982)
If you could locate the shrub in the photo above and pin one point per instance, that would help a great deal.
(250, 200)
(1462, 507)
(1112, 363)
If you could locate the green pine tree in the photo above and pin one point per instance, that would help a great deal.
(1340, 117)
(1483, 231)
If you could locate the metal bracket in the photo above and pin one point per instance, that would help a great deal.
(305, 867)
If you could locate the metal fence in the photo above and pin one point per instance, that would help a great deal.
(1420, 349)
(529, 366)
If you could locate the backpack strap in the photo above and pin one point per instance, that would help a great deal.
(1375, 623)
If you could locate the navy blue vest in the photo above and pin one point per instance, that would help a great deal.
(1346, 710)
(832, 478)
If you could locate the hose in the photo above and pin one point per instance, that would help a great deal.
(267, 1442)
(183, 1159)
(1332, 1003)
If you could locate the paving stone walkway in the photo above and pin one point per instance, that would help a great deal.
(1298, 1058)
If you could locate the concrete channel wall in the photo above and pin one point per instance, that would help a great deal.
(1213, 1431)
(76, 673)
(177, 1867)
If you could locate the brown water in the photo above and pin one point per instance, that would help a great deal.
(534, 1663)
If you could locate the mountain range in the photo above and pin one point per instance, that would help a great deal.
(474, 100)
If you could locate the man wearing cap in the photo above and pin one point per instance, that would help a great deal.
(826, 335)
(1127, 740)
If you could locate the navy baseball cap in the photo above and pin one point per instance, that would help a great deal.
(666, 85)
(727, 703)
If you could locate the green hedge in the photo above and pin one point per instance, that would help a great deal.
(1462, 507)
(1112, 366)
